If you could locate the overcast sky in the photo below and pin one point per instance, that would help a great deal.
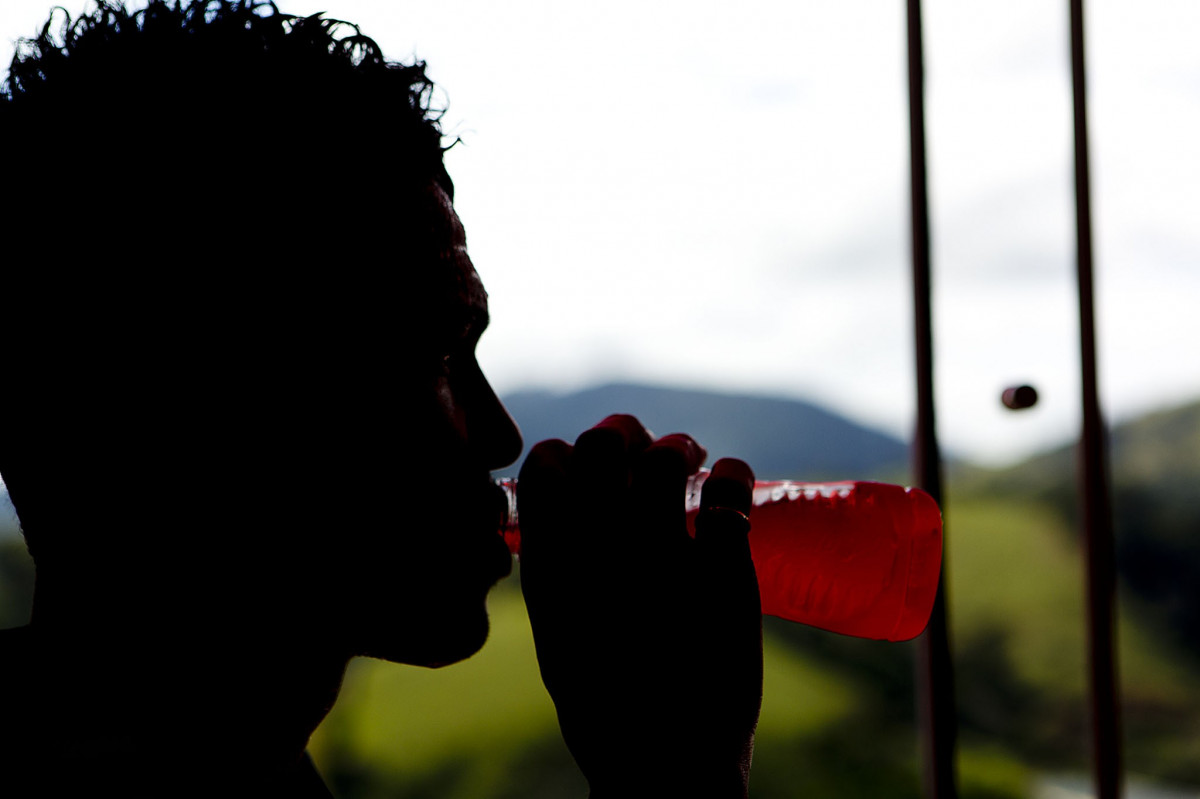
(715, 195)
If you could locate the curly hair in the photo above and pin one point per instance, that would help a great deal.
(212, 207)
(224, 69)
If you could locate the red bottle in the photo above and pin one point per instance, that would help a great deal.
(856, 558)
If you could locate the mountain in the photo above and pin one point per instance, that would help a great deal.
(779, 438)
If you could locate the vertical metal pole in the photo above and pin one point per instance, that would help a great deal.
(1095, 518)
(935, 672)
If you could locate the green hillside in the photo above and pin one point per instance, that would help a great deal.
(1155, 468)
(1161, 447)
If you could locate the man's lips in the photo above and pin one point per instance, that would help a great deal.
(504, 558)
(466, 528)
(495, 504)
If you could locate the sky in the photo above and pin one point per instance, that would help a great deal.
(715, 195)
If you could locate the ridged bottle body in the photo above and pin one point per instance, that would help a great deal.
(857, 558)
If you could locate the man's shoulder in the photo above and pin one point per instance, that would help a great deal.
(16, 716)
(36, 760)
(17, 672)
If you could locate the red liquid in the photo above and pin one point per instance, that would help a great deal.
(861, 559)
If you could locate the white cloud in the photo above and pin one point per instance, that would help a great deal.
(716, 194)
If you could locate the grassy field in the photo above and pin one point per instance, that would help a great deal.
(1015, 567)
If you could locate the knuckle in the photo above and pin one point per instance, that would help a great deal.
(735, 470)
(619, 420)
(600, 444)
(550, 454)
(631, 430)
(668, 457)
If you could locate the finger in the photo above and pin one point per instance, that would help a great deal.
(722, 542)
(553, 556)
(633, 435)
(725, 500)
(730, 485)
(545, 459)
(660, 479)
(543, 500)
(603, 455)
(547, 462)
(693, 454)
(727, 593)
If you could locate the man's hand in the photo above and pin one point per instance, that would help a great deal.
(649, 641)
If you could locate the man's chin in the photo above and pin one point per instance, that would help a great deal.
(449, 639)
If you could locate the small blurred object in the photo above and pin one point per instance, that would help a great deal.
(1017, 398)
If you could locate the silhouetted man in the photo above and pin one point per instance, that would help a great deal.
(247, 438)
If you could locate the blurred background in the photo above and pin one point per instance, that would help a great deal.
(698, 212)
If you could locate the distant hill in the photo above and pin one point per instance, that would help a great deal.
(779, 438)
(1161, 447)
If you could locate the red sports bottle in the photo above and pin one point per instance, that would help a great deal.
(857, 558)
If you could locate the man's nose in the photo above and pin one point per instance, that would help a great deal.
(501, 442)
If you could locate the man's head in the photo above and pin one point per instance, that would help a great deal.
(238, 330)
